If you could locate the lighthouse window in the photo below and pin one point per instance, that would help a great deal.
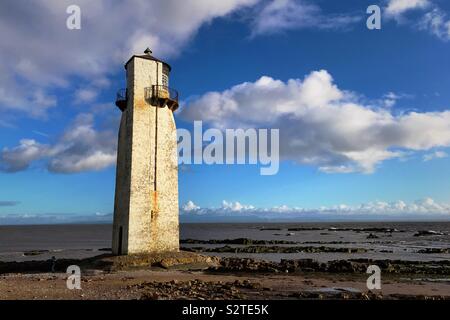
(165, 80)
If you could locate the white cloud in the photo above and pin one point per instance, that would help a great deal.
(435, 155)
(35, 102)
(398, 7)
(41, 53)
(321, 124)
(425, 207)
(436, 22)
(80, 148)
(19, 158)
(228, 207)
(85, 95)
(93, 161)
(391, 98)
(235, 206)
(190, 206)
(282, 15)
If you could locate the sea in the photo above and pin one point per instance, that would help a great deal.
(409, 241)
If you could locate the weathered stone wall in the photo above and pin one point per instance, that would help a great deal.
(122, 196)
(165, 219)
(150, 215)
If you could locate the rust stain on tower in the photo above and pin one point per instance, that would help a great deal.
(146, 200)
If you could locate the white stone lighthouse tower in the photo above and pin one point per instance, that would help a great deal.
(146, 200)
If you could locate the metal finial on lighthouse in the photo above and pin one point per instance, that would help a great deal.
(148, 51)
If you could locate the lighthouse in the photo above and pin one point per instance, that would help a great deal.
(146, 196)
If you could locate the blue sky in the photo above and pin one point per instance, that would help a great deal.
(385, 156)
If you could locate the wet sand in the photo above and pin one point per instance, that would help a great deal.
(146, 284)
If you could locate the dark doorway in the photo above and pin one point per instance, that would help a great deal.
(120, 241)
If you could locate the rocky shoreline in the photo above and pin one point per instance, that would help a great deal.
(246, 245)
(336, 266)
(275, 249)
(188, 275)
(240, 241)
(110, 263)
(229, 264)
(244, 289)
(191, 254)
(238, 290)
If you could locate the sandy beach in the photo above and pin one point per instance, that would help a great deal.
(294, 261)
(157, 283)
(193, 276)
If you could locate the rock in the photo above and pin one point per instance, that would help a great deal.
(35, 252)
(341, 266)
(336, 266)
(276, 249)
(240, 241)
(422, 233)
(382, 230)
(305, 229)
(196, 289)
(434, 250)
